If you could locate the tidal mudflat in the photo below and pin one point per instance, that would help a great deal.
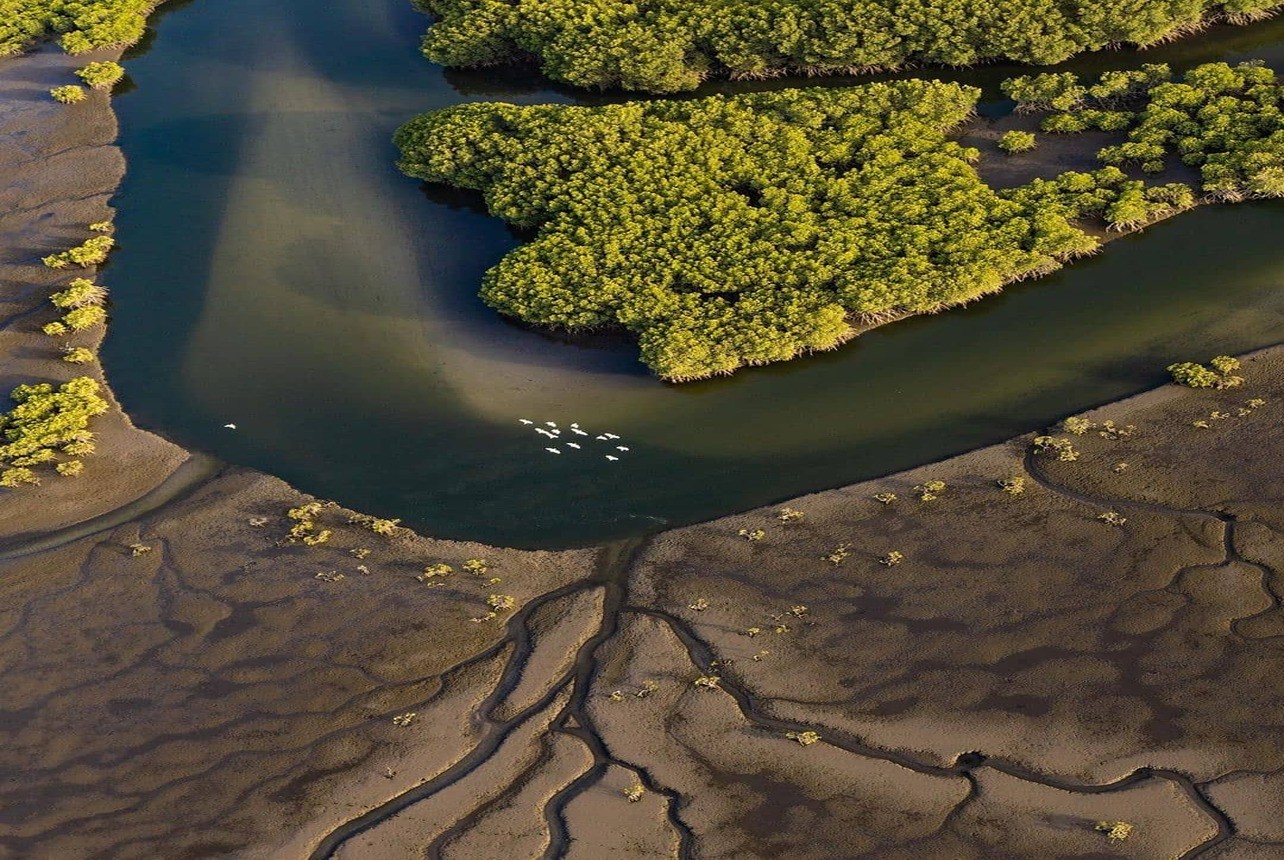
(1006, 653)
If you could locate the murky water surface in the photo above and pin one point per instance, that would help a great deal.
(277, 272)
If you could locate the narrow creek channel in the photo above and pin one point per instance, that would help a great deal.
(277, 272)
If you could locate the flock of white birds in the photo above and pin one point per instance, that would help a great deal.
(557, 434)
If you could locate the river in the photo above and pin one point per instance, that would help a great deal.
(277, 272)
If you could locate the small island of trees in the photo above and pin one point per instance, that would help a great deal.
(733, 231)
(739, 230)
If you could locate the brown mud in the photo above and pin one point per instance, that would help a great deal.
(1027, 671)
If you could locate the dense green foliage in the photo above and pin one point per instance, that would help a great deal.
(732, 231)
(82, 24)
(741, 230)
(45, 424)
(101, 76)
(671, 45)
(1224, 120)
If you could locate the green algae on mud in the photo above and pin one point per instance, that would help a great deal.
(278, 273)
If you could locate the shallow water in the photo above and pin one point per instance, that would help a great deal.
(276, 271)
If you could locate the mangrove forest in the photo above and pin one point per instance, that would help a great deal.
(741, 230)
(672, 45)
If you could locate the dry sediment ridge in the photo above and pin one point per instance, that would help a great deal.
(1025, 672)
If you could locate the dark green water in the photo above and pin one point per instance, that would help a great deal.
(277, 272)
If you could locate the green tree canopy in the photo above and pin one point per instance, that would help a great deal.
(733, 231)
(82, 24)
(671, 45)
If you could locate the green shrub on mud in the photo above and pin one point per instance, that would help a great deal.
(45, 424)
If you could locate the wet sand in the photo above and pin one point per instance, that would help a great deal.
(1027, 671)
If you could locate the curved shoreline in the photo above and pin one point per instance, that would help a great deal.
(224, 638)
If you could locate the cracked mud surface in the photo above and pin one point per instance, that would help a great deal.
(1025, 672)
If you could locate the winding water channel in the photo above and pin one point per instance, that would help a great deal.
(277, 272)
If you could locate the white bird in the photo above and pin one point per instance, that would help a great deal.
(578, 432)
(545, 432)
(526, 420)
(572, 445)
(620, 448)
(551, 423)
(230, 426)
(610, 436)
(609, 457)
(575, 424)
(601, 438)
(552, 450)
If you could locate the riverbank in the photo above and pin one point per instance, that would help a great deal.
(62, 167)
(1026, 671)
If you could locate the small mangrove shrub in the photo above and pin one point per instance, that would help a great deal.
(70, 468)
(1115, 831)
(69, 94)
(892, 559)
(1219, 374)
(1060, 446)
(1013, 142)
(1013, 486)
(80, 319)
(804, 738)
(18, 476)
(79, 293)
(1111, 430)
(1077, 425)
(91, 252)
(304, 529)
(634, 793)
(82, 300)
(101, 76)
(789, 515)
(929, 491)
(434, 572)
(501, 602)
